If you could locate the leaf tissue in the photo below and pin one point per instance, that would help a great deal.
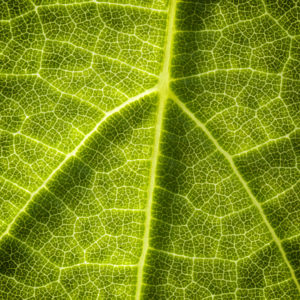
(149, 149)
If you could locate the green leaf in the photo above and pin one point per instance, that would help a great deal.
(149, 149)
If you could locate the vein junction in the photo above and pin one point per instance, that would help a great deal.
(193, 196)
(163, 90)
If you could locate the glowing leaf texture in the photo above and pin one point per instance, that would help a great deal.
(149, 149)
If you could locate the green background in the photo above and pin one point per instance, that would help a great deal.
(149, 149)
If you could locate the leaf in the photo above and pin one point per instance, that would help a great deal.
(149, 149)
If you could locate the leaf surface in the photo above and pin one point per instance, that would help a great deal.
(149, 149)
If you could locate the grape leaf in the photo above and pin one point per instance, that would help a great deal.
(149, 149)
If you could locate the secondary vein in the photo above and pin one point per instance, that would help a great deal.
(243, 182)
(73, 154)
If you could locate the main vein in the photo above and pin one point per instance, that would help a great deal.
(73, 154)
(243, 182)
(163, 96)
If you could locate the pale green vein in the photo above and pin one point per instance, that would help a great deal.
(191, 257)
(163, 96)
(277, 196)
(109, 58)
(75, 96)
(116, 4)
(15, 184)
(267, 13)
(54, 88)
(74, 152)
(34, 251)
(291, 237)
(268, 142)
(87, 264)
(243, 182)
(249, 69)
(33, 140)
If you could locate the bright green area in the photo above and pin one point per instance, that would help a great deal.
(149, 149)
